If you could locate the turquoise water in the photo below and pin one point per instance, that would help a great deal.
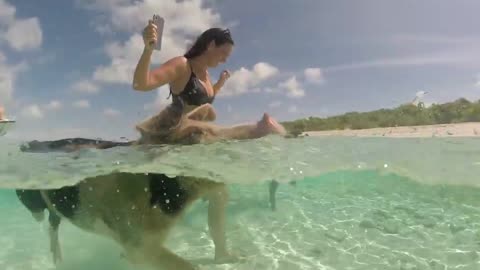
(357, 204)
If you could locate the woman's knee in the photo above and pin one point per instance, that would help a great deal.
(212, 115)
(204, 112)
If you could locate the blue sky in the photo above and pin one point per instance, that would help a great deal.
(66, 66)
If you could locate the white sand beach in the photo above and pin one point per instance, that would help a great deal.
(443, 130)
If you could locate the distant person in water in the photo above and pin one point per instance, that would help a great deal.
(2, 113)
(192, 91)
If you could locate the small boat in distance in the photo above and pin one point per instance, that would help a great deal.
(5, 124)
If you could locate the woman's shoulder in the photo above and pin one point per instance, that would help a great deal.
(179, 64)
(178, 61)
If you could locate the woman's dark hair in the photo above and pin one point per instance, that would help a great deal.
(220, 36)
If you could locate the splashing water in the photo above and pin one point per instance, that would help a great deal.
(436, 161)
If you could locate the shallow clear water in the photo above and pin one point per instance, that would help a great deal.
(357, 204)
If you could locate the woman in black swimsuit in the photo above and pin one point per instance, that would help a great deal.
(185, 119)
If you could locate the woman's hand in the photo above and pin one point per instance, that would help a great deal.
(150, 35)
(224, 76)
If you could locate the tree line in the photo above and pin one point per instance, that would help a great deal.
(458, 111)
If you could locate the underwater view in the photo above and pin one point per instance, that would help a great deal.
(351, 203)
(239, 135)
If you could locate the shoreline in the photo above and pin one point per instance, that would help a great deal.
(468, 129)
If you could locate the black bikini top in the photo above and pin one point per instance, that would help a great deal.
(194, 93)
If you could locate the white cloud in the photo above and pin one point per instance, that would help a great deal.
(124, 58)
(184, 20)
(37, 111)
(24, 34)
(85, 86)
(314, 75)
(477, 83)
(54, 105)
(33, 111)
(8, 75)
(81, 104)
(20, 34)
(293, 87)
(111, 112)
(264, 70)
(244, 80)
(188, 16)
(102, 29)
(7, 12)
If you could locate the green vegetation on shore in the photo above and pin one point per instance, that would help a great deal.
(458, 111)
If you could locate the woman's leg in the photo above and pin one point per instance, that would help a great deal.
(218, 200)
